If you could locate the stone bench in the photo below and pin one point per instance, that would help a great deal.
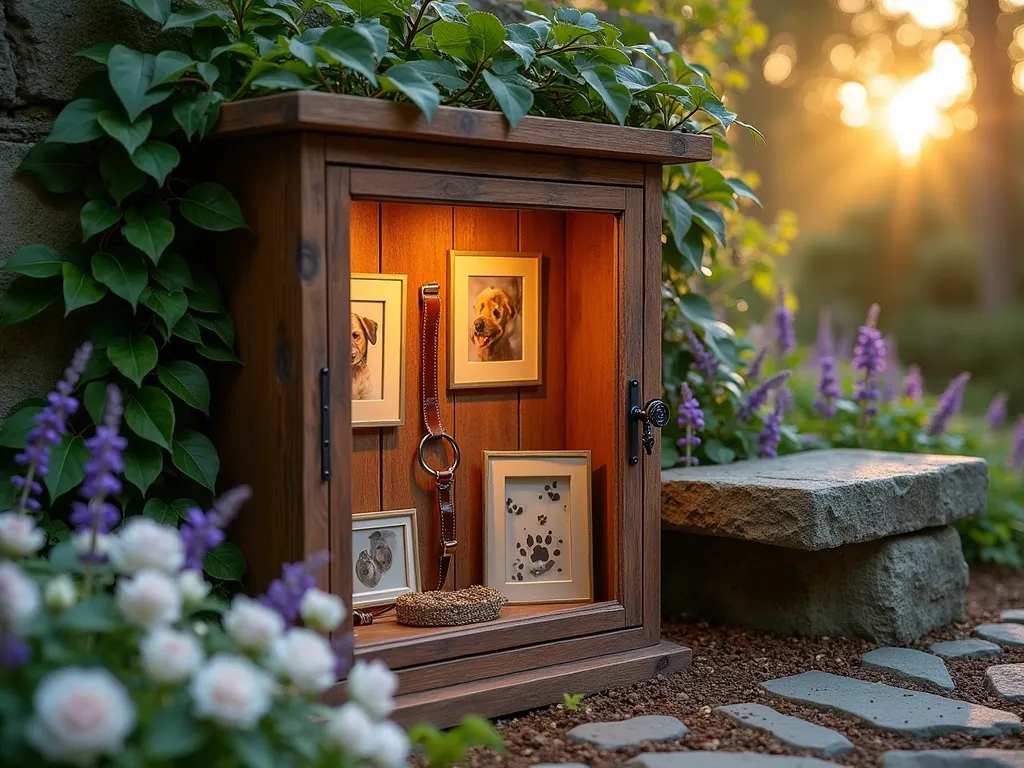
(838, 542)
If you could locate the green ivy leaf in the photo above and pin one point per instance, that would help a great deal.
(208, 72)
(97, 216)
(157, 159)
(67, 466)
(125, 274)
(150, 230)
(94, 398)
(477, 40)
(150, 415)
(27, 297)
(77, 123)
(130, 135)
(614, 94)
(253, 749)
(220, 324)
(60, 168)
(34, 261)
(743, 190)
(217, 352)
(170, 306)
(376, 33)
(226, 562)
(515, 100)
(134, 356)
(188, 329)
(170, 65)
(371, 8)
(14, 431)
(173, 273)
(697, 309)
(80, 289)
(711, 220)
(211, 206)
(345, 46)
(162, 512)
(197, 115)
(131, 75)
(440, 72)
(276, 76)
(97, 53)
(98, 367)
(194, 454)
(143, 463)
(119, 173)
(679, 214)
(187, 382)
(299, 50)
(414, 87)
(197, 17)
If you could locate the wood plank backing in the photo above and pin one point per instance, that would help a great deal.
(485, 419)
(331, 113)
(415, 240)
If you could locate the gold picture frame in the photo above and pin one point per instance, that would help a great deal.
(378, 379)
(368, 567)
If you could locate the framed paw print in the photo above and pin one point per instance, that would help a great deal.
(384, 557)
(537, 535)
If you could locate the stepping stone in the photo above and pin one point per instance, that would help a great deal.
(629, 733)
(1006, 681)
(909, 713)
(953, 758)
(1011, 635)
(791, 731)
(911, 665)
(724, 760)
(560, 765)
(968, 648)
(1013, 616)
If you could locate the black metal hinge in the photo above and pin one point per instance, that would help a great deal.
(325, 423)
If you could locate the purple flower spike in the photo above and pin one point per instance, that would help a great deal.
(826, 346)
(996, 415)
(285, 594)
(769, 437)
(691, 419)
(869, 358)
(97, 515)
(913, 384)
(785, 338)
(759, 395)
(204, 531)
(1016, 459)
(828, 387)
(703, 360)
(14, 651)
(754, 371)
(949, 405)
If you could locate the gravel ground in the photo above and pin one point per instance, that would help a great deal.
(730, 663)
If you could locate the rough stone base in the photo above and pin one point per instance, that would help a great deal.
(891, 591)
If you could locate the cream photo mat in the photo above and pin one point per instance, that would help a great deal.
(390, 290)
(365, 524)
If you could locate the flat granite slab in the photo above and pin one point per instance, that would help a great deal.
(724, 760)
(791, 731)
(1006, 681)
(911, 665)
(953, 758)
(1010, 635)
(823, 499)
(629, 733)
(909, 713)
(968, 648)
(1013, 616)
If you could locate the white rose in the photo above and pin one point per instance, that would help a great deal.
(82, 542)
(322, 611)
(19, 535)
(373, 686)
(390, 746)
(150, 599)
(351, 730)
(253, 625)
(232, 691)
(144, 545)
(306, 659)
(170, 656)
(19, 596)
(60, 593)
(194, 588)
(80, 715)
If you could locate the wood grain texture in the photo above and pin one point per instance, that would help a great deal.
(485, 419)
(308, 110)
(419, 156)
(384, 184)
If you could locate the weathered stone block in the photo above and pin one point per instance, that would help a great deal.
(891, 591)
(824, 499)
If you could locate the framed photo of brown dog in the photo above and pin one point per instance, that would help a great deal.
(494, 319)
(378, 350)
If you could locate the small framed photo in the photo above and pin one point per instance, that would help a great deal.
(384, 557)
(537, 533)
(378, 350)
(494, 319)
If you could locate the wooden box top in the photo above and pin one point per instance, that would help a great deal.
(332, 113)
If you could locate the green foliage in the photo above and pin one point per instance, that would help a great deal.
(447, 748)
(572, 701)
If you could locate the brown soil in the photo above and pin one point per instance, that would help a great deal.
(728, 666)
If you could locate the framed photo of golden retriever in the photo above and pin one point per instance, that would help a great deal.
(537, 528)
(378, 350)
(494, 319)
(385, 563)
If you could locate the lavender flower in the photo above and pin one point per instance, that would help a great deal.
(828, 387)
(913, 384)
(996, 415)
(826, 344)
(784, 400)
(14, 651)
(949, 405)
(869, 357)
(1016, 459)
(203, 531)
(285, 594)
(759, 395)
(769, 437)
(892, 376)
(97, 515)
(754, 371)
(691, 419)
(703, 360)
(785, 338)
(50, 426)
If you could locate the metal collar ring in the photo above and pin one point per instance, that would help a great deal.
(455, 450)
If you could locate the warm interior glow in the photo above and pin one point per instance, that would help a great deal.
(778, 65)
(1018, 77)
(843, 57)
(930, 14)
(852, 6)
(965, 119)
(908, 34)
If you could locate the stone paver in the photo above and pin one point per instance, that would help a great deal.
(560, 765)
(968, 648)
(1011, 635)
(824, 499)
(724, 760)
(953, 758)
(1006, 681)
(1013, 616)
(792, 731)
(911, 665)
(629, 733)
(910, 713)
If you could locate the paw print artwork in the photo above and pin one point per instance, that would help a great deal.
(537, 522)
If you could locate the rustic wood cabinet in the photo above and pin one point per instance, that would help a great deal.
(332, 185)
